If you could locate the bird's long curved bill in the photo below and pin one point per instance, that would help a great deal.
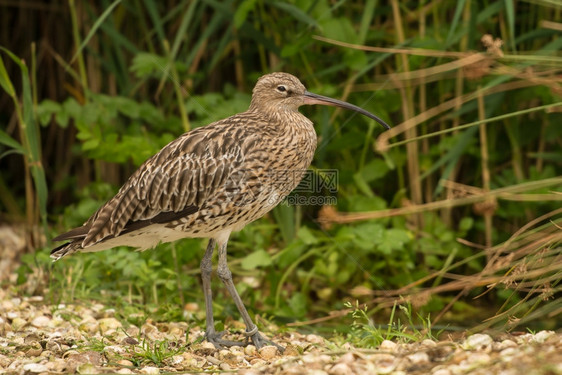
(312, 98)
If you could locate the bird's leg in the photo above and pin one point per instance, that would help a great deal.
(251, 329)
(211, 335)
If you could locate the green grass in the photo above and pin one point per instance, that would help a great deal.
(365, 333)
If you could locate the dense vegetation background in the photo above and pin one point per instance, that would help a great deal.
(460, 199)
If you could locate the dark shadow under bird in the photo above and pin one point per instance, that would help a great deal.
(210, 182)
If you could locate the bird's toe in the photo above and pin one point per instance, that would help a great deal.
(216, 339)
(259, 342)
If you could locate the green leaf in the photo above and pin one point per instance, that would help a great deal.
(95, 27)
(6, 140)
(394, 239)
(296, 12)
(454, 22)
(367, 235)
(374, 170)
(306, 236)
(297, 302)
(259, 258)
(362, 185)
(242, 12)
(146, 64)
(46, 109)
(5, 81)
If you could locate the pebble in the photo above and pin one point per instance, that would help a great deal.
(35, 367)
(478, 341)
(442, 371)
(150, 370)
(87, 368)
(542, 336)
(41, 321)
(340, 369)
(388, 346)
(225, 366)
(429, 343)
(418, 358)
(268, 352)
(18, 323)
(250, 350)
(257, 362)
(314, 339)
(124, 362)
(506, 344)
(108, 324)
(347, 358)
(480, 358)
(507, 354)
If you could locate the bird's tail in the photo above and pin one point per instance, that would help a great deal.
(65, 249)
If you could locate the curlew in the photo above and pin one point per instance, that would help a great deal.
(210, 182)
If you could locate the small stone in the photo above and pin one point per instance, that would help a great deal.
(34, 350)
(70, 353)
(385, 363)
(348, 358)
(542, 336)
(388, 345)
(429, 343)
(207, 348)
(35, 368)
(442, 371)
(223, 353)
(109, 313)
(41, 321)
(480, 358)
(506, 344)
(124, 362)
(257, 362)
(18, 323)
(250, 350)
(268, 352)
(507, 354)
(213, 360)
(107, 324)
(87, 368)
(291, 351)
(340, 369)
(149, 370)
(133, 331)
(310, 358)
(478, 342)
(224, 366)
(418, 358)
(314, 339)
(317, 372)
(124, 371)
(129, 341)
(189, 360)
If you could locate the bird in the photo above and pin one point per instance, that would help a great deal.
(212, 181)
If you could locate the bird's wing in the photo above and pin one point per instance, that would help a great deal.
(172, 184)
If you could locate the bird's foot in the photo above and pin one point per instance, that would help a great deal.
(216, 339)
(253, 337)
(259, 342)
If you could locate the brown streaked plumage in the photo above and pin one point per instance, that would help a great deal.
(211, 181)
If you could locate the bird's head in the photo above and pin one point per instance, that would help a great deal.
(277, 92)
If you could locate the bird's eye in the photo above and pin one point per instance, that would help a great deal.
(281, 88)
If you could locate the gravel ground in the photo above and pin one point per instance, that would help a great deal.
(38, 338)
